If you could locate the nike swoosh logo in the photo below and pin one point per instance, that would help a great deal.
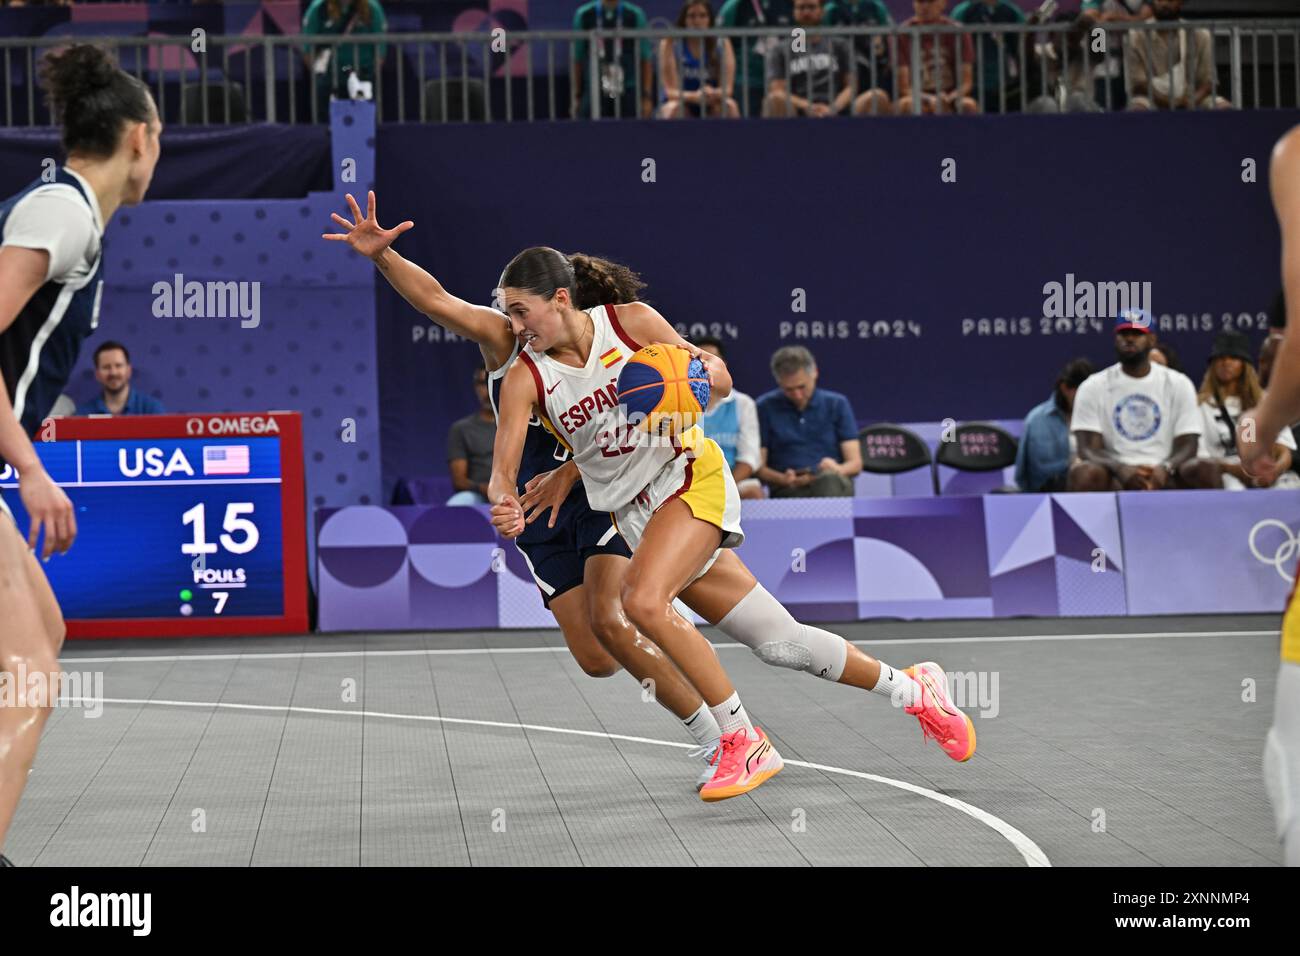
(938, 699)
(757, 757)
(733, 713)
(552, 388)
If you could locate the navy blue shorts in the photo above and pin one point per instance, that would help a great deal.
(557, 563)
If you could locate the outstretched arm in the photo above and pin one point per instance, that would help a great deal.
(487, 327)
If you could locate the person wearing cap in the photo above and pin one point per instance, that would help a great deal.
(1231, 386)
(1136, 423)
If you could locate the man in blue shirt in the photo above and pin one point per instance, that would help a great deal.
(113, 372)
(1043, 458)
(809, 435)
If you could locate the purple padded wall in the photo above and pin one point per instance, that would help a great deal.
(314, 347)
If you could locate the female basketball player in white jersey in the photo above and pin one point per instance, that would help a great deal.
(50, 267)
(578, 560)
(677, 506)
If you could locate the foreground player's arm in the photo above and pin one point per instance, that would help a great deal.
(1280, 406)
(646, 325)
(548, 490)
(515, 408)
(22, 273)
(486, 327)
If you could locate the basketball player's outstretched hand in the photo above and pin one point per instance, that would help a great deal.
(508, 517)
(364, 234)
(548, 491)
(1256, 456)
(49, 508)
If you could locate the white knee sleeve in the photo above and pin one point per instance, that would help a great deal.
(761, 623)
(1282, 760)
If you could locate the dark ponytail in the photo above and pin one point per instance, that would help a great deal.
(591, 281)
(598, 281)
(92, 98)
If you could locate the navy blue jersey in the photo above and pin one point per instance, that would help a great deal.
(40, 348)
(542, 452)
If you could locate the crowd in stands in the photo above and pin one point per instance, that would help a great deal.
(868, 75)
(781, 75)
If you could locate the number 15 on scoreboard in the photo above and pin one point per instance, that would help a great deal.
(240, 536)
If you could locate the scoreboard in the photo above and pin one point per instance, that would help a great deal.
(186, 524)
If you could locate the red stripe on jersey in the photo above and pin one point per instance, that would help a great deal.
(541, 389)
(684, 488)
(618, 329)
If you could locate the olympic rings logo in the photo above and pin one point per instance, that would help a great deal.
(1285, 551)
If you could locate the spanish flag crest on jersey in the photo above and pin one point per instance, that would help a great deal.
(611, 357)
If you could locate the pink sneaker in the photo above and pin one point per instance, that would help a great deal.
(743, 762)
(939, 716)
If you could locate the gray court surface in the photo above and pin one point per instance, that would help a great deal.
(1101, 743)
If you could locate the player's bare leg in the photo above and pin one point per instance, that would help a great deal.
(29, 644)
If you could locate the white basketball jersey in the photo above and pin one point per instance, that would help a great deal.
(580, 405)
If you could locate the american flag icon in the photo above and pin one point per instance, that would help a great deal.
(225, 459)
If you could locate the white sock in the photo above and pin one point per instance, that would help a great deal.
(702, 725)
(731, 715)
(897, 686)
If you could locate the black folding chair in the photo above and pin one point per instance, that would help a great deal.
(975, 447)
(890, 450)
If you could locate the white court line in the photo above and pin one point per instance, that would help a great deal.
(560, 649)
(1031, 852)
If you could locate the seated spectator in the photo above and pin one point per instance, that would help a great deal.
(945, 91)
(1069, 85)
(617, 68)
(809, 436)
(698, 74)
(1047, 445)
(1164, 353)
(362, 59)
(1231, 386)
(815, 81)
(1001, 50)
(732, 422)
(868, 51)
(1136, 422)
(1171, 69)
(1109, 73)
(117, 397)
(469, 448)
(751, 52)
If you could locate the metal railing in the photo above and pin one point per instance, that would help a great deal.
(550, 74)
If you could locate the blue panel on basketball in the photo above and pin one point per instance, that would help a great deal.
(640, 388)
(699, 377)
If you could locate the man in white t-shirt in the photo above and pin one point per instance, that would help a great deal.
(1137, 423)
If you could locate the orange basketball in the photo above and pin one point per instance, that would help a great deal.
(664, 389)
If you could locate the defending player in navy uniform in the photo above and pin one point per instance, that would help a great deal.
(50, 266)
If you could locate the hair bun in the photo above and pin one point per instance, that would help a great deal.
(77, 72)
